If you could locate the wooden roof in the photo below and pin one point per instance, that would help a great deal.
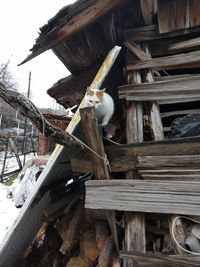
(82, 33)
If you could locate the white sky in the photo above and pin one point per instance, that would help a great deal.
(20, 22)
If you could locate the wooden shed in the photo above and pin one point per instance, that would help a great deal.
(134, 198)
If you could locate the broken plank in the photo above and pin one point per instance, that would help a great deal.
(136, 50)
(144, 196)
(75, 24)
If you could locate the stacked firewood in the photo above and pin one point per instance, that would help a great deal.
(72, 237)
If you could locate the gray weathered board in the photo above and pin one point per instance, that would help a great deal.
(174, 90)
(144, 196)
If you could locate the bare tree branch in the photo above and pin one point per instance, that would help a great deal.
(29, 110)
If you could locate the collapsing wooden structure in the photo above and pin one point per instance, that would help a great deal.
(134, 209)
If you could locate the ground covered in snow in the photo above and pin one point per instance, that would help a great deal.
(8, 211)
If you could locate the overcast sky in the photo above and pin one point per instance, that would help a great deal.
(20, 22)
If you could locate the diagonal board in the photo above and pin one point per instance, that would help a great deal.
(27, 224)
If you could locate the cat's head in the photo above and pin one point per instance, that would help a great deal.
(94, 97)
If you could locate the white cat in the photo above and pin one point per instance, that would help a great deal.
(102, 102)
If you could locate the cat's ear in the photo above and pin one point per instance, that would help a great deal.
(103, 90)
(89, 91)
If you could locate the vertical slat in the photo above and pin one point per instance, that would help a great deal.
(156, 121)
(194, 11)
(134, 223)
(157, 128)
(172, 15)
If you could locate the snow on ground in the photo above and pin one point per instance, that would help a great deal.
(11, 162)
(8, 211)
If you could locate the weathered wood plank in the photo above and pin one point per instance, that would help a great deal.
(181, 261)
(170, 161)
(172, 15)
(169, 84)
(98, 157)
(135, 238)
(151, 32)
(180, 61)
(94, 141)
(194, 42)
(144, 196)
(155, 118)
(194, 9)
(149, 9)
(163, 90)
(180, 112)
(80, 162)
(188, 149)
(136, 50)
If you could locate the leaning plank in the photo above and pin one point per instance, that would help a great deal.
(144, 196)
(180, 61)
(188, 149)
(181, 261)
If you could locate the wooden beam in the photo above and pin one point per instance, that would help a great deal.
(151, 32)
(178, 146)
(163, 90)
(94, 141)
(162, 153)
(180, 61)
(98, 157)
(144, 196)
(75, 24)
(80, 162)
(135, 238)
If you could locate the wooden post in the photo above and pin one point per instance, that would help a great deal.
(135, 239)
(98, 157)
(14, 148)
(157, 127)
(156, 122)
(4, 161)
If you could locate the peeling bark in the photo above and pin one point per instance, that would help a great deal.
(29, 110)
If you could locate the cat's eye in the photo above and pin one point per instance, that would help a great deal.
(90, 101)
(97, 102)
